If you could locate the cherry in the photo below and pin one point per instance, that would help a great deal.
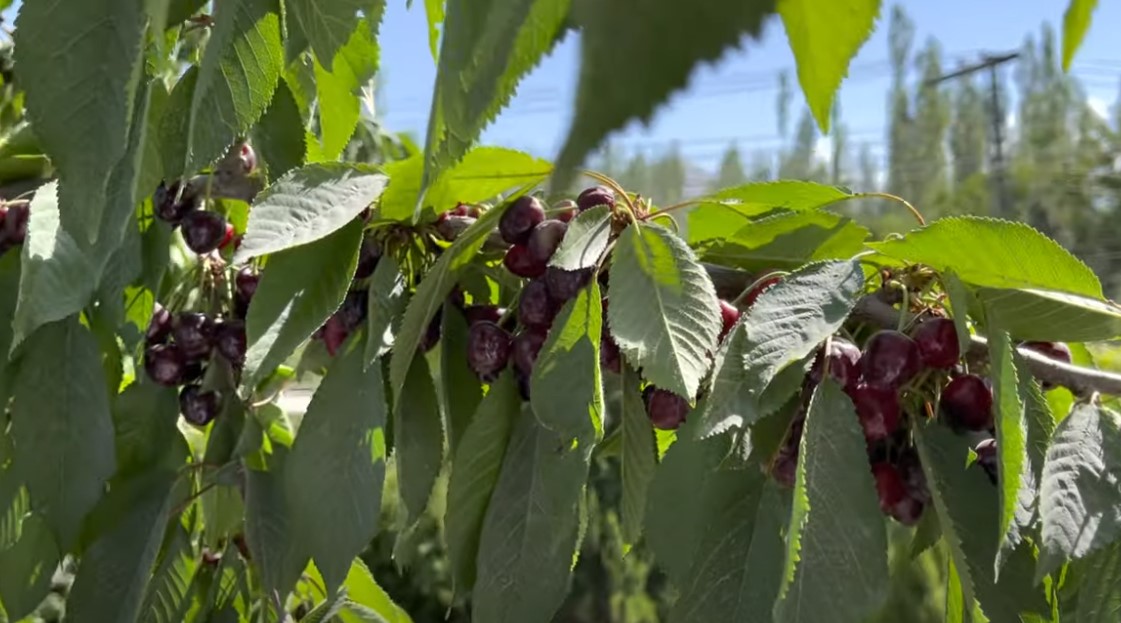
(242, 546)
(203, 230)
(209, 558)
(937, 340)
(488, 350)
(230, 340)
(523, 384)
(15, 223)
(368, 257)
(433, 331)
(167, 208)
(986, 458)
(194, 334)
(784, 468)
(248, 159)
(609, 356)
(483, 313)
(159, 327)
(227, 237)
(520, 218)
(890, 360)
(527, 345)
(565, 284)
(198, 407)
(665, 409)
(759, 289)
(354, 308)
(447, 229)
(521, 262)
(333, 333)
(245, 282)
(878, 411)
(907, 511)
(535, 308)
(595, 196)
(1055, 350)
(968, 403)
(889, 485)
(843, 358)
(565, 211)
(729, 315)
(911, 469)
(165, 364)
(460, 209)
(193, 371)
(545, 238)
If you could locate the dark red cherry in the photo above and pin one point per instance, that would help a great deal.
(433, 331)
(986, 457)
(565, 284)
(248, 159)
(203, 230)
(165, 364)
(937, 340)
(595, 196)
(527, 345)
(520, 218)
(167, 208)
(198, 407)
(15, 223)
(609, 356)
(368, 257)
(728, 316)
(759, 289)
(666, 410)
(890, 360)
(535, 308)
(545, 238)
(245, 282)
(520, 261)
(967, 402)
(1055, 350)
(230, 340)
(565, 211)
(843, 358)
(877, 409)
(333, 333)
(890, 486)
(488, 350)
(194, 334)
(159, 327)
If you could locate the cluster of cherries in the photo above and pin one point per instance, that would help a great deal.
(352, 313)
(13, 225)
(180, 205)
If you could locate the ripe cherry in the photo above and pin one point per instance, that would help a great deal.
(595, 196)
(889, 485)
(245, 282)
(545, 238)
(565, 211)
(986, 458)
(937, 340)
(198, 407)
(354, 308)
(665, 409)
(194, 334)
(165, 364)
(843, 358)
(227, 237)
(784, 468)
(248, 159)
(535, 308)
(203, 230)
(878, 410)
(968, 403)
(488, 350)
(167, 208)
(728, 315)
(333, 333)
(433, 331)
(230, 340)
(1055, 350)
(609, 356)
(521, 262)
(159, 327)
(890, 360)
(368, 257)
(520, 218)
(565, 284)
(763, 286)
(527, 345)
(15, 223)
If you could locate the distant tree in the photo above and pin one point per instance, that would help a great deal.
(668, 182)
(968, 132)
(731, 169)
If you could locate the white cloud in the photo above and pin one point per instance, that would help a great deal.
(823, 148)
(1099, 105)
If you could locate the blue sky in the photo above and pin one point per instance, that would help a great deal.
(736, 97)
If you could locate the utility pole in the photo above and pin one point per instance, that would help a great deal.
(991, 62)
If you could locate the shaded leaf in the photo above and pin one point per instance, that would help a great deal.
(1032, 314)
(727, 211)
(1099, 594)
(278, 547)
(327, 25)
(144, 417)
(585, 240)
(384, 306)
(787, 241)
(418, 438)
(462, 389)
(26, 568)
(1017, 488)
(170, 590)
(278, 137)
(640, 456)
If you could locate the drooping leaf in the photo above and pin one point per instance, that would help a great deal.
(117, 567)
(824, 38)
(338, 89)
(663, 313)
(169, 591)
(60, 418)
(994, 253)
(366, 601)
(278, 137)
(640, 456)
(26, 568)
(737, 573)
(327, 25)
(834, 500)
(1017, 488)
(566, 388)
(92, 53)
(384, 306)
(462, 389)
(488, 45)
(1076, 21)
(1080, 493)
(529, 533)
(237, 75)
(727, 211)
(1033, 314)
(300, 288)
(278, 547)
(788, 241)
(585, 240)
(144, 417)
(418, 438)
(614, 44)
(475, 472)
(309, 204)
(1099, 594)
(335, 473)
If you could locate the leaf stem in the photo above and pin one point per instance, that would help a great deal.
(676, 206)
(881, 195)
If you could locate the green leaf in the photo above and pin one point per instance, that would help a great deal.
(92, 53)
(278, 547)
(529, 533)
(328, 25)
(1099, 594)
(1016, 486)
(366, 601)
(488, 46)
(434, 10)
(60, 418)
(728, 403)
(9, 282)
(338, 89)
(307, 205)
(117, 567)
(1039, 418)
(737, 573)
(26, 568)
(300, 288)
(462, 389)
(663, 313)
(614, 44)
(57, 279)
(384, 307)
(237, 75)
(993, 253)
(1076, 21)
(432, 291)
(418, 438)
(279, 136)
(174, 124)
(1080, 494)
(566, 389)
(1031, 314)
(725, 212)
(144, 419)
(836, 564)
(824, 38)
(961, 301)
(475, 471)
(788, 241)
(169, 592)
(640, 456)
(585, 240)
(337, 467)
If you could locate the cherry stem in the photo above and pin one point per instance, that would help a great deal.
(677, 206)
(754, 284)
(881, 195)
(599, 177)
(663, 216)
